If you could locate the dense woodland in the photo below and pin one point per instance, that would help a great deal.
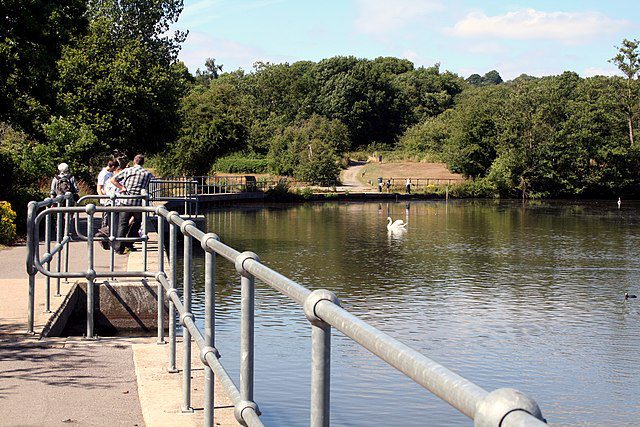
(83, 79)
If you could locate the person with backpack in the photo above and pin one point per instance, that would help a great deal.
(64, 182)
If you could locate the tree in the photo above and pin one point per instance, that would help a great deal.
(122, 79)
(214, 123)
(491, 78)
(361, 95)
(32, 36)
(471, 146)
(310, 150)
(426, 92)
(628, 61)
(211, 72)
(475, 80)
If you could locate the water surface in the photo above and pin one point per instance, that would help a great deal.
(505, 294)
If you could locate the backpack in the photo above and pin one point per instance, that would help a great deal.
(63, 185)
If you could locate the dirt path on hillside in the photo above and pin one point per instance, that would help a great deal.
(350, 181)
(358, 175)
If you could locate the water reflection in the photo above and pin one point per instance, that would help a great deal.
(505, 293)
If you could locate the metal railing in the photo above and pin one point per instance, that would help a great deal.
(501, 407)
(175, 190)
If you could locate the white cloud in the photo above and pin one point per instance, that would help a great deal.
(233, 55)
(601, 71)
(568, 27)
(380, 17)
(411, 55)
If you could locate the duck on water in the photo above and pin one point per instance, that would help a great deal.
(627, 296)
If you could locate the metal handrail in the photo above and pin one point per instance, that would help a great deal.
(502, 407)
(176, 189)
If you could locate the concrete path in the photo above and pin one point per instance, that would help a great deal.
(68, 382)
(59, 381)
(71, 381)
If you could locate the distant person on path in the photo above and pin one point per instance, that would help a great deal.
(408, 186)
(130, 181)
(105, 174)
(64, 182)
(379, 184)
(388, 185)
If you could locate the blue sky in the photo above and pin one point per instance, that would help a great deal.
(464, 36)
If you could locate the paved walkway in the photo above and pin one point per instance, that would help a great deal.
(59, 381)
(71, 381)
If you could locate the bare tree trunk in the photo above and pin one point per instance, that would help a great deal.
(630, 111)
(630, 121)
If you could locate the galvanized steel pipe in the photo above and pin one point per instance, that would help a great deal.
(186, 335)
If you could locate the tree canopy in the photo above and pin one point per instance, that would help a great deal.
(81, 79)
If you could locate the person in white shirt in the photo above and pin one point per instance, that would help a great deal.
(103, 178)
(109, 187)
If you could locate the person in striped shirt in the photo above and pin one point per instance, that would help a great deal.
(130, 181)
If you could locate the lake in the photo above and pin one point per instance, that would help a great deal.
(507, 294)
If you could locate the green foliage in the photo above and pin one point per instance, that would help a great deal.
(281, 193)
(306, 193)
(471, 145)
(310, 151)
(489, 79)
(24, 162)
(78, 143)
(427, 137)
(32, 35)
(121, 79)
(628, 61)
(427, 92)
(213, 124)
(557, 136)
(361, 95)
(480, 188)
(7, 223)
(239, 163)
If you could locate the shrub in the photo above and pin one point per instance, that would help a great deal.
(7, 223)
(480, 188)
(239, 163)
(280, 192)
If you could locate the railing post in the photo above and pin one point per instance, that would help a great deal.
(145, 237)
(59, 230)
(31, 270)
(66, 234)
(186, 335)
(173, 259)
(91, 273)
(186, 203)
(47, 280)
(160, 287)
(209, 324)
(320, 358)
(247, 286)
(112, 234)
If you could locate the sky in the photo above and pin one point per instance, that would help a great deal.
(464, 36)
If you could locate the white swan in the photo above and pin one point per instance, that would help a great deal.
(396, 225)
